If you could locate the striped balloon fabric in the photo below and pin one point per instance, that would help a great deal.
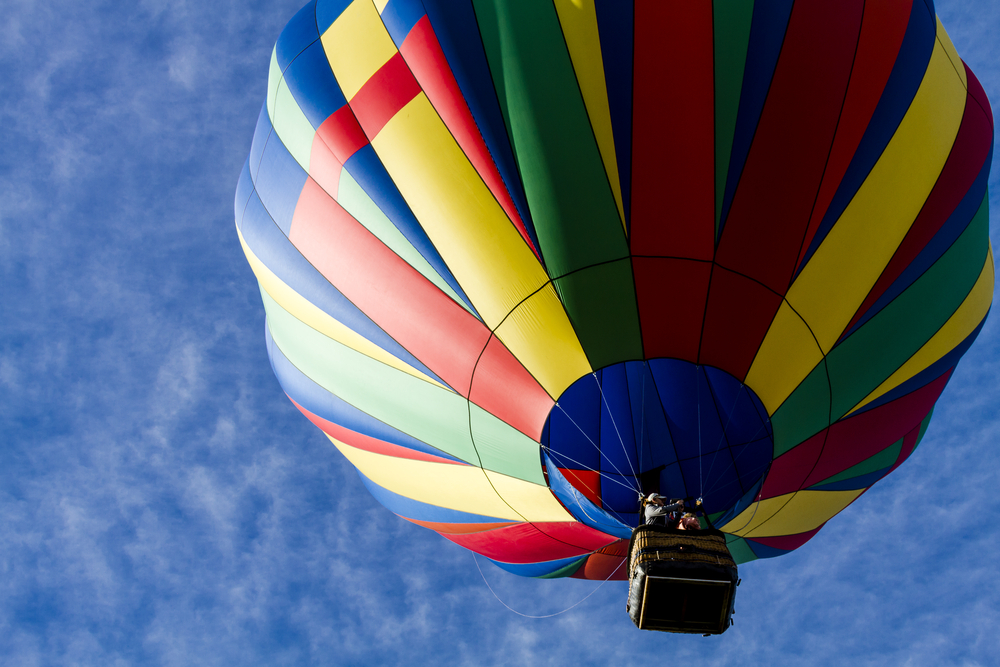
(523, 261)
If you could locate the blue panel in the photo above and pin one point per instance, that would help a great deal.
(328, 11)
(457, 31)
(906, 77)
(582, 509)
(620, 496)
(261, 133)
(322, 403)
(672, 482)
(244, 190)
(649, 425)
(414, 509)
(297, 35)
(615, 26)
(767, 34)
(575, 425)
(956, 224)
(617, 441)
(539, 569)
(853, 483)
(399, 17)
(764, 551)
(279, 255)
(313, 85)
(365, 168)
(279, 183)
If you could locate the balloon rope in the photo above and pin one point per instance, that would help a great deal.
(697, 387)
(546, 615)
(594, 445)
(617, 432)
(584, 466)
(722, 437)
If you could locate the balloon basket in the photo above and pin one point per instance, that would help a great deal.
(681, 581)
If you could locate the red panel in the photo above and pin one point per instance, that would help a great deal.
(855, 439)
(601, 567)
(342, 134)
(671, 295)
(457, 528)
(787, 542)
(368, 443)
(423, 54)
(972, 147)
(502, 387)
(789, 471)
(739, 314)
(384, 94)
(407, 306)
(587, 482)
(324, 167)
(673, 130)
(576, 534)
(882, 30)
(525, 543)
(770, 211)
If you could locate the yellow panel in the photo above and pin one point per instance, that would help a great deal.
(578, 19)
(787, 355)
(380, 5)
(292, 126)
(958, 327)
(849, 261)
(953, 56)
(357, 45)
(457, 487)
(482, 248)
(790, 514)
(307, 313)
(532, 501)
(542, 338)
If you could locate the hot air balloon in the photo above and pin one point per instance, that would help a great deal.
(524, 261)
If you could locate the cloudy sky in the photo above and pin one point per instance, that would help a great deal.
(162, 503)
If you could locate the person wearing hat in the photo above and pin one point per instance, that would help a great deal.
(659, 511)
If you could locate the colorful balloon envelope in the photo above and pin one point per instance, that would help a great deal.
(523, 261)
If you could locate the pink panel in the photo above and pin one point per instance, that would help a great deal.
(407, 306)
(502, 387)
(324, 168)
(789, 471)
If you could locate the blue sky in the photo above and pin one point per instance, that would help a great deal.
(162, 503)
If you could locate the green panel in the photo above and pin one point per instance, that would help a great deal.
(883, 459)
(565, 571)
(356, 201)
(732, 35)
(503, 448)
(803, 414)
(292, 126)
(571, 201)
(739, 549)
(876, 350)
(601, 305)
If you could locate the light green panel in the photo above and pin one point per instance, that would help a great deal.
(292, 126)
(739, 549)
(433, 415)
(356, 201)
(423, 410)
(273, 79)
(503, 448)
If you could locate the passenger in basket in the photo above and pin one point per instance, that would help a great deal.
(659, 512)
(688, 522)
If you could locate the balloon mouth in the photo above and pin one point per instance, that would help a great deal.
(665, 425)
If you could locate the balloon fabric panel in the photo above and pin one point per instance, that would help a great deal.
(524, 262)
